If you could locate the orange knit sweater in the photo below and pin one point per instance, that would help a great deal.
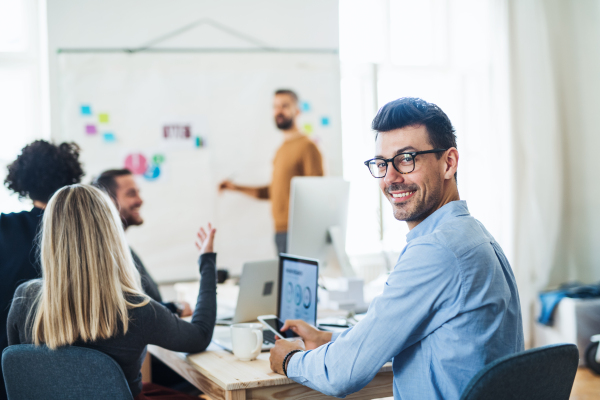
(296, 157)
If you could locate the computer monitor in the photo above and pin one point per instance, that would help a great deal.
(317, 222)
(298, 279)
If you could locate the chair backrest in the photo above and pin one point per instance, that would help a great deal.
(36, 372)
(542, 373)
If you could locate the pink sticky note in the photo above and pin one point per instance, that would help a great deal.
(90, 129)
(136, 163)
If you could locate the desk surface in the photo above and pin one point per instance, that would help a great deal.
(219, 374)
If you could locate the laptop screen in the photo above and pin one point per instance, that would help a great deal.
(298, 288)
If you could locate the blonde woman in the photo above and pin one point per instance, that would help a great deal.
(90, 293)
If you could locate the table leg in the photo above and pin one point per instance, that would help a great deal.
(147, 369)
(235, 394)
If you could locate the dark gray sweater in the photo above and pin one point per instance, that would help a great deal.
(150, 324)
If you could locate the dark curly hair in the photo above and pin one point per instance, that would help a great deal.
(42, 168)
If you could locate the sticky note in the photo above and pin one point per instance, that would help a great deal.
(86, 110)
(90, 129)
(103, 118)
(305, 106)
(308, 128)
(325, 121)
(109, 137)
(158, 159)
(136, 163)
(152, 172)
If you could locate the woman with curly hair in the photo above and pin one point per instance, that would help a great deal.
(40, 170)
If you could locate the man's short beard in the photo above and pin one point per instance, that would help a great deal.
(421, 211)
(417, 215)
(285, 124)
(128, 221)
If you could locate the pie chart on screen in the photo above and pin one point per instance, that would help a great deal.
(306, 298)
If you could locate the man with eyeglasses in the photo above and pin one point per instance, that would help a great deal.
(297, 156)
(449, 307)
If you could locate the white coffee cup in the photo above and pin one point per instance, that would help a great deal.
(247, 340)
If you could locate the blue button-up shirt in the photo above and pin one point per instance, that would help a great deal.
(449, 307)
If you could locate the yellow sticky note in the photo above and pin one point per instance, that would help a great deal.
(308, 128)
(103, 118)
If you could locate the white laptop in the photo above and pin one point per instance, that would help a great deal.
(297, 275)
(257, 296)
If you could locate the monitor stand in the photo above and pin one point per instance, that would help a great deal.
(339, 246)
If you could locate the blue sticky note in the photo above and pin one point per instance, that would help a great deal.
(86, 110)
(109, 137)
(305, 106)
(152, 172)
(325, 121)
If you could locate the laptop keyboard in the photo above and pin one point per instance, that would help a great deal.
(268, 337)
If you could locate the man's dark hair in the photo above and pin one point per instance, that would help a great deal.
(289, 92)
(42, 168)
(106, 181)
(409, 111)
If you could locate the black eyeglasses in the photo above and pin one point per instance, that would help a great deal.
(404, 163)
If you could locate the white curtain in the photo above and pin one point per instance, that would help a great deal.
(24, 102)
(555, 85)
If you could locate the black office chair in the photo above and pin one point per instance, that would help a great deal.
(544, 373)
(36, 372)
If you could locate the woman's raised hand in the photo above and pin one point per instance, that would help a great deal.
(205, 238)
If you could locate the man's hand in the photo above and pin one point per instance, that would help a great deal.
(204, 241)
(281, 349)
(226, 185)
(312, 337)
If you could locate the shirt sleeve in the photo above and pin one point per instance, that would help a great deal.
(312, 161)
(421, 294)
(165, 329)
(264, 192)
(15, 315)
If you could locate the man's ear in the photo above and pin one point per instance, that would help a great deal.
(451, 162)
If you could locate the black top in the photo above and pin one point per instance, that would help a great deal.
(19, 262)
(148, 285)
(150, 324)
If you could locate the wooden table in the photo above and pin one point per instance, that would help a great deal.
(220, 375)
(586, 385)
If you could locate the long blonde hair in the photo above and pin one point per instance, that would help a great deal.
(89, 278)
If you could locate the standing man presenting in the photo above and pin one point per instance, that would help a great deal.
(297, 156)
(451, 304)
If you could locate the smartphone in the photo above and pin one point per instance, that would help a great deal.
(274, 324)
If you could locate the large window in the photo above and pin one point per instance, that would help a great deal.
(24, 110)
(452, 53)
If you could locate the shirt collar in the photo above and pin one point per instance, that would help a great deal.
(429, 224)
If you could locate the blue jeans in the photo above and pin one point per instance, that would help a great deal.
(281, 242)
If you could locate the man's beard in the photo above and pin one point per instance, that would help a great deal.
(410, 212)
(130, 220)
(283, 123)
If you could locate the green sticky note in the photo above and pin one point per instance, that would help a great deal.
(308, 128)
(103, 118)
(158, 159)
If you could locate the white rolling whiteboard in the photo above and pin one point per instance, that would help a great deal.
(118, 108)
